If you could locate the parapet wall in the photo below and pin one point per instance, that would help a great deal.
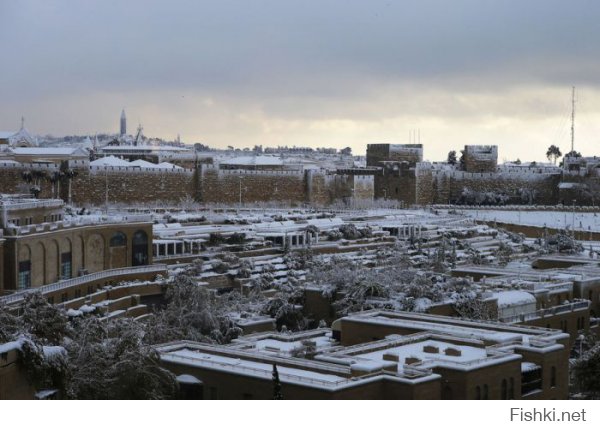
(233, 186)
(448, 186)
(125, 185)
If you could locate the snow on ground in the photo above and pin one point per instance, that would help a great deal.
(551, 219)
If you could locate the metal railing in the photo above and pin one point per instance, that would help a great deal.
(67, 283)
(546, 312)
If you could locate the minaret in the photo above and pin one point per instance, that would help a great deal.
(123, 123)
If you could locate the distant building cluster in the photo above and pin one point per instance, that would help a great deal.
(395, 172)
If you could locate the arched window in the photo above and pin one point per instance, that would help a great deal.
(478, 393)
(553, 376)
(504, 389)
(139, 249)
(485, 392)
(118, 239)
(511, 390)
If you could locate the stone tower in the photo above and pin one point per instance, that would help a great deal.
(123, 123)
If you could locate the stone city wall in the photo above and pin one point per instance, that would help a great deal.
(126, 185)
(442, 187)
(248, 186)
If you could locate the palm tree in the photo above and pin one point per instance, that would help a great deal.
(553, 153)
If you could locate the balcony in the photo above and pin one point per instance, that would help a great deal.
(97, 276)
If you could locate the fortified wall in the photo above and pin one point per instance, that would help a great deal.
(12, 180)
(515, 186)
(93, 185)
(396, 181)
(126, 185)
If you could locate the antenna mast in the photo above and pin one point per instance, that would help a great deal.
(573, 120)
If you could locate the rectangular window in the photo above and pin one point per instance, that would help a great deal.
(65, 265)
(24, 274)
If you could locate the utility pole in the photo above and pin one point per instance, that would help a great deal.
(573, 120)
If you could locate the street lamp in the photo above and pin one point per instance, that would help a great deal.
(573, 223)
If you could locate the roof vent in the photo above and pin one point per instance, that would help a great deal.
(431, 349)
(411, 360)
(453, 352)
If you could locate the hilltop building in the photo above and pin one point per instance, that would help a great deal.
(19, 139)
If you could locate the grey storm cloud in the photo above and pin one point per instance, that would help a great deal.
(305, 72)
(280, 48)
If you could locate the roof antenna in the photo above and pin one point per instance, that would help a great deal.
(573, 120)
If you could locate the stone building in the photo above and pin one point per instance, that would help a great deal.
(477, 179)
(480, 158)
(383, 355)
(20, 139)
(41, 247)
(377, 153)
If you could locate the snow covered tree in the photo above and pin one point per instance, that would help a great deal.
(586, 373)
(504, 253)
(452, 158)
(43, 320)
(9, 325)
(470, 305)
(193, 312)
(111, 361)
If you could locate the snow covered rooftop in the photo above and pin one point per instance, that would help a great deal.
(424, 351)
(514, 298)
(144, 148)
(491, 332)
(6, 134)
(142, 163)
(63, 150)
(113, 161)
(110, 161)
(241, 366)
(257, 160)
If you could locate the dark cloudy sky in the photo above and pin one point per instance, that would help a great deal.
(309, 72)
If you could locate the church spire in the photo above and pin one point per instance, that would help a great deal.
(123, 123)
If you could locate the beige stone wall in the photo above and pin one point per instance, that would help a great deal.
(127, 186)
(89, 246)
(231, 186)
(442, 187)
(396, 182)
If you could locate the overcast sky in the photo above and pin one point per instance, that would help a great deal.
(308, 73)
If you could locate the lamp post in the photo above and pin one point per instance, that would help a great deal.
(573, 223)
(106, 189)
